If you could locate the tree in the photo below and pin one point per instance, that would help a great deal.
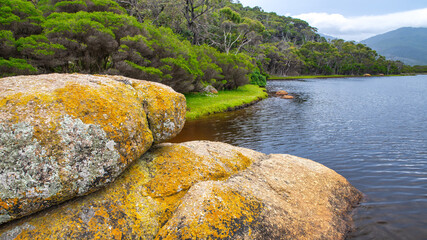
(234, 32)
(279, 58)
(90, 38)
(193, 10)
(147, 9)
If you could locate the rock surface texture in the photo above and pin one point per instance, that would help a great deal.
(66, 135)
(204, 190)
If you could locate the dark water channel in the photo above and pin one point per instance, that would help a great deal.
(373, 131)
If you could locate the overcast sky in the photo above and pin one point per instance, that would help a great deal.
(350, 20)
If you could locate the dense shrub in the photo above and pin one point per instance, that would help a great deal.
(90, 38)
(20, 17)
(15, 66)
(161, 56)
(41, 52)
(258, 79)
(7, 44)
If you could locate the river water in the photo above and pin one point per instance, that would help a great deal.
(373, 131)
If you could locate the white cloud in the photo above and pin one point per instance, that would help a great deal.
(359, 28)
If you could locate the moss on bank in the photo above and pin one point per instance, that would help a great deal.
(199, 105)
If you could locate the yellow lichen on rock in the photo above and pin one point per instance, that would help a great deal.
(120, 210)
(165, 113)
(279, 197)
(72, 134)
(178, 167)
(204, 190)
(142, 199)
(210, 210)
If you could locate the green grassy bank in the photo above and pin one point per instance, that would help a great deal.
(199, 105)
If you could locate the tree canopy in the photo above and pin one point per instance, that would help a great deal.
(186, 44)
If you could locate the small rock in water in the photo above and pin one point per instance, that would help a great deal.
(288, 97)
(281, 92)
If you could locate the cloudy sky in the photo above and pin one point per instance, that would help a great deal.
(350, 20)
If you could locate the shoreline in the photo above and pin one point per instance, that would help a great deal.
(201, 105)
(273, 78)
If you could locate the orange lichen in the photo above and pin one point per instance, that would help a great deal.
(166, 123)
(114, 108)
(177, 168)
(141, 200)
(168, 205)
(117, 234)
(222, 213)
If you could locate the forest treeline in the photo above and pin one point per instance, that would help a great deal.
(186, 44)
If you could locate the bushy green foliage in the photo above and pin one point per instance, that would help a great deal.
(346, 58)
(258, 79)
(73, 6)
(105, 6)
(161, 56)
(7, 44)
(41, 52)
(90, 38)
(20, 17)
(415, 69)
(15, 66)
(280, 58)
(36, 46)
(235, 44)
(230, 15)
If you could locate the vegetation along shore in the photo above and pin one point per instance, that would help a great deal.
(216, 43)
(183, 44)
(199, 105)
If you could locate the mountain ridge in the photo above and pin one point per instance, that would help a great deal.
(406, 44)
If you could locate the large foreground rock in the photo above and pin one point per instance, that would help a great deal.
(204, 190)
(280, 197)
(65, 135)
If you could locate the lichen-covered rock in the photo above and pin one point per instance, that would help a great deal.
(64, 135)
(165, 109)
(141, 200)
(280, 197)
(204, 190)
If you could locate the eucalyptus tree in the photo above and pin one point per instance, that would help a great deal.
(229, 31)
(279, 58)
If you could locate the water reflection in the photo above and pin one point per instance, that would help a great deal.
(373, 131)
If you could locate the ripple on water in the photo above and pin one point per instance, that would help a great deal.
(361, 127)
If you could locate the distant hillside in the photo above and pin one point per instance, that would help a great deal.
(406, 44)
(327, 37)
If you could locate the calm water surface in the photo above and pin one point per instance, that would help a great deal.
(373, 131)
